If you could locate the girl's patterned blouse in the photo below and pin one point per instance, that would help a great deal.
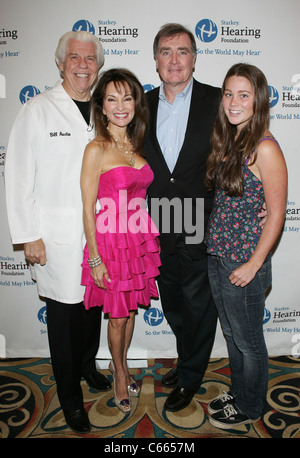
(233, 230)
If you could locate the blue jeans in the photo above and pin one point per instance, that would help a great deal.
(241, 312)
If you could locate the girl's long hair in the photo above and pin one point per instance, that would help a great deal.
(137, 127)
(233, 151)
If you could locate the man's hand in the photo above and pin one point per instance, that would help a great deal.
(35, 252)
(263, 214)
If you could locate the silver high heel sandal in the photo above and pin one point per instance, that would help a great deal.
(124, 404)
(133, 388)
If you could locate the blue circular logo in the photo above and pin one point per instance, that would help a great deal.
(85, 25)
(27, 93)
(148, 87)
(273, 96)
(153, 316)
(206, 30)
(267, 316)
(42, 315)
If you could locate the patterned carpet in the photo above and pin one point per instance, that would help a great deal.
(29, 406)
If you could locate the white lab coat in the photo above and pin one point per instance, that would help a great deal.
(42, 180)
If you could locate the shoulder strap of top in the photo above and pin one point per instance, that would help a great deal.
(267, 137)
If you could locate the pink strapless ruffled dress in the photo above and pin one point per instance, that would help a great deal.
(127, 242)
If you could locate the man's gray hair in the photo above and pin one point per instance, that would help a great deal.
(82, 35)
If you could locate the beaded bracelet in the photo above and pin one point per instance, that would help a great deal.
(95, 262)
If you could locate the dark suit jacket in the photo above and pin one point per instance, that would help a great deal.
(187, 178)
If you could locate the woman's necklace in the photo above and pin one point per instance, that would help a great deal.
(131, 158)
(126, 151)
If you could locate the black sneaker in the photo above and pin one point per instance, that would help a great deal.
(230, 417)
(220, 402)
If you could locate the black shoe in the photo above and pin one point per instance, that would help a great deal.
(220, 402)
(98, 381)
(178, 399)
(78, 420)
(230, 417)
(170, 378)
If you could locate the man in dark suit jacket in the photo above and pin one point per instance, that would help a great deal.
(176, 147)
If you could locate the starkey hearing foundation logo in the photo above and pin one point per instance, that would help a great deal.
(107, 30)
(285, 101)
(157, 326)
(229, 31)
(84, 25)
(12, 268)
(153, 316)
(42, 315)
(27, 93)
(284, 321)
(273, 96)
(206, 30)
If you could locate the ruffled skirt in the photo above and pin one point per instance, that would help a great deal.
(132, 261)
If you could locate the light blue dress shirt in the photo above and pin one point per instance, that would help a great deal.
(171, 123)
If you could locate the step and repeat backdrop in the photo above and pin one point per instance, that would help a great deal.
(261, 32)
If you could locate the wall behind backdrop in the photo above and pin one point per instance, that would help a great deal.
(261, 32)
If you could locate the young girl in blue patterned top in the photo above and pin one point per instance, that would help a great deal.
(246, 168)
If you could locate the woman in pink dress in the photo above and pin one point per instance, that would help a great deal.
(121, 257)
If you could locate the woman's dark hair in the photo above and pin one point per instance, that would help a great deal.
(236, 150)
(136, 128)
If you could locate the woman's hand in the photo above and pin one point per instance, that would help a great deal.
(98, 274)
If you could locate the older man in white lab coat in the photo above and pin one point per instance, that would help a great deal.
(42, 178)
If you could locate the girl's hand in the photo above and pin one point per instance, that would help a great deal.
(243, 275)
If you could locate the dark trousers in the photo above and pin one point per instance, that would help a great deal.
(190, 311)
(74, 335)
